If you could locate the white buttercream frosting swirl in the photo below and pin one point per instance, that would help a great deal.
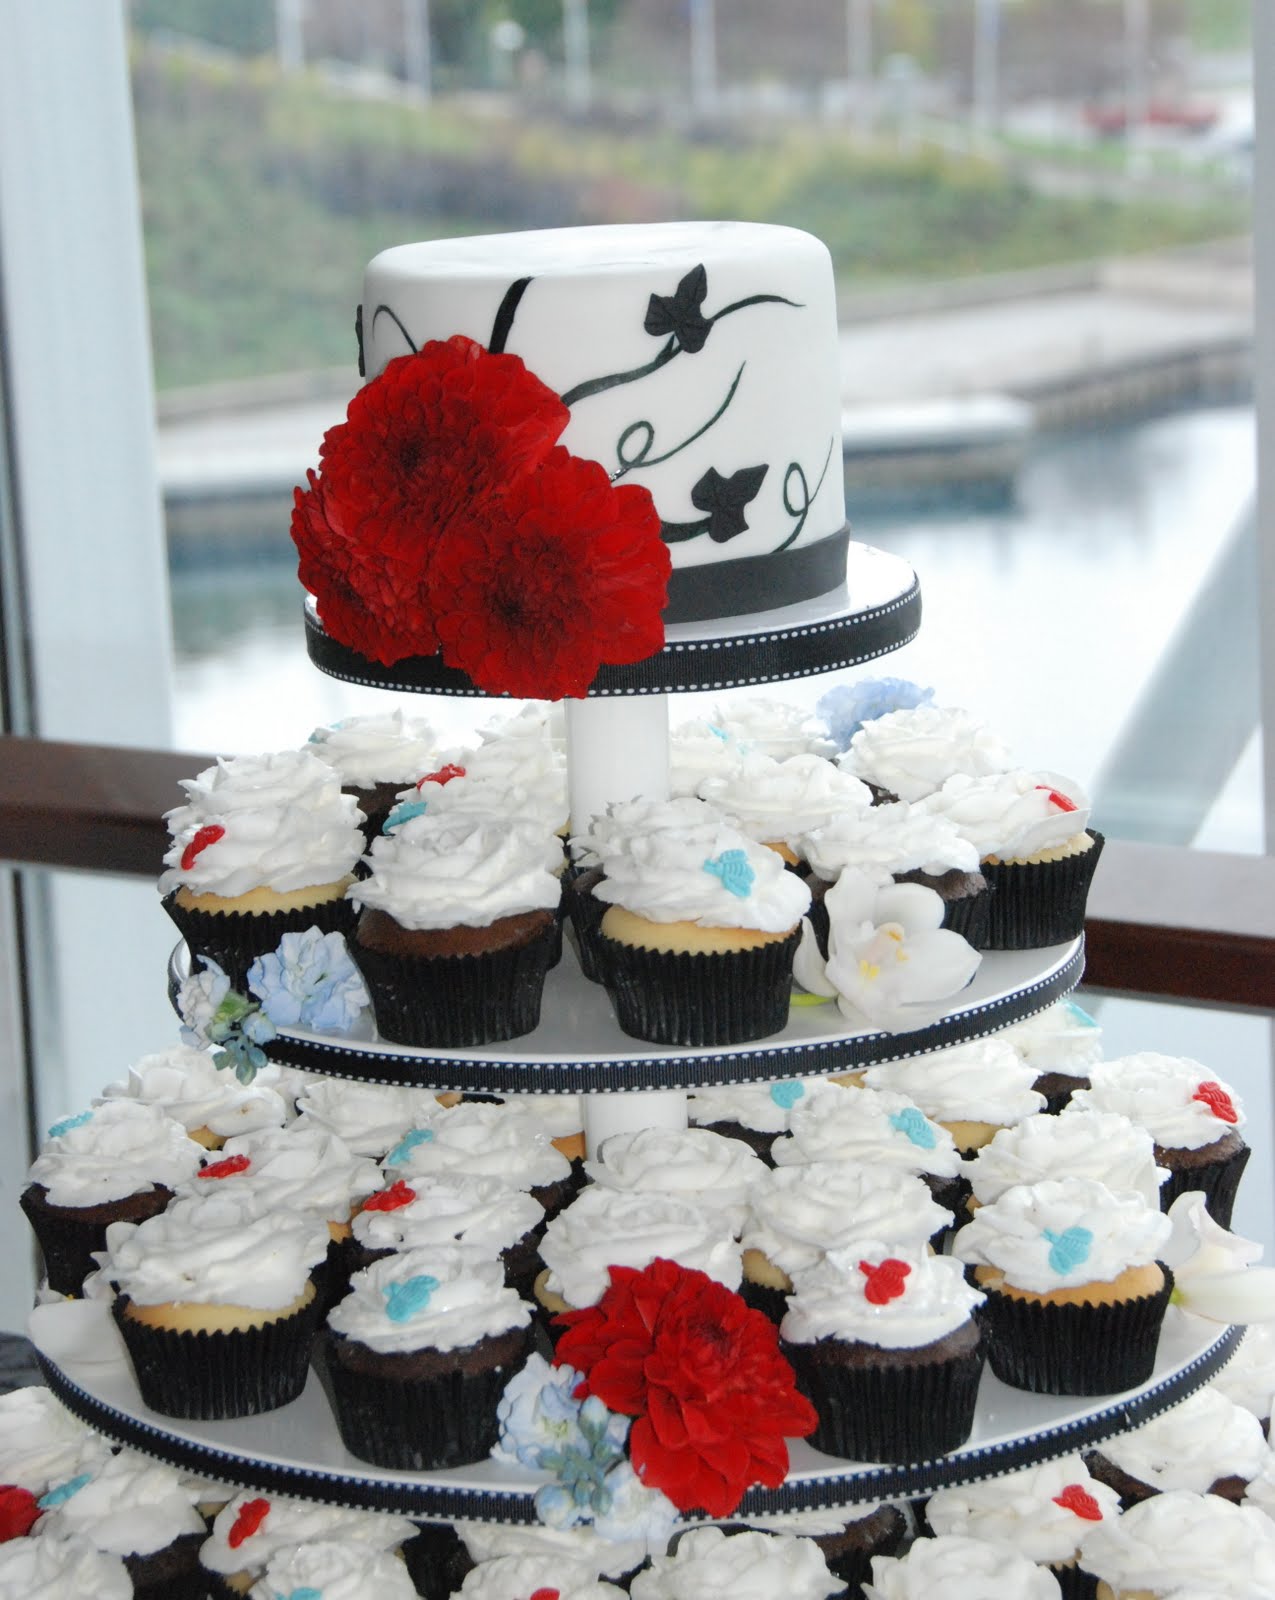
(875, 1127)
(121, 1148)
(959, 1568)
(1248, 1377)
(773, 800)
(1169, 1096)
(800, 1213)
(436, 1297)
(602, 1228)
(1063, 1232)
(286, 823)
(453, 870)
(575, 1547)
(131, 1506)
(1078, 1143)
(378, 747)
(762, 1107)
(288, 1523)
(711, 1565)
(983, 1081)
(1178, 1539)
(517, 1577)
(1190, 1446)
(892, 838)
(1045, 1512)
(302, 1169)
(692, 1164)
(55, 1569)
(216, 1250)
(699, 749)
(41, 1443)
(1062, 1038)
(894, 1296)
(1012, 815)
(701, 869)
(186, 1084)
(452, 1208)
(334, 1572)
(912, 752)
(370, 1118)
(484, 1140)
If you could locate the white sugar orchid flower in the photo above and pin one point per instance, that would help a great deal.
(1214, 1271)
(889, 958)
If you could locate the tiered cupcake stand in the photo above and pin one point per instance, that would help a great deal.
(618, 747)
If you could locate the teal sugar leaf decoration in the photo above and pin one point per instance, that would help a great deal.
(1070, 1249)
(786, 1095)
(63, 1492)
(733, 868)
(403, 812)
(403, 1149)
(67, 1123)
(913, 1124)
(405, 1298)
(724, 500)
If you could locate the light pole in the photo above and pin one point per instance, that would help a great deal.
(416, 47)
(575, 50)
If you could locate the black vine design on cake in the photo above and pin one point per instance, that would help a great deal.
(386, 311)
(797, 473)
(643, 456)
(505, 315)
(358, 334)
(724, 500)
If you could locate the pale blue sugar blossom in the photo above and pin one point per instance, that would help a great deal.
(846, 708)
(309, 982)
(214, 1014)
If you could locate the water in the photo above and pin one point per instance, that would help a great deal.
(1046, 617)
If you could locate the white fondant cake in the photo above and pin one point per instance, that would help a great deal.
(698, 359)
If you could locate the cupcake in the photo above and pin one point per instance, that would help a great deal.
(1078, 1144)
(698, 749)
(572, 1548)
(457, 929)
(956, 1565)
(697, 943)
(209, 1102)
(756, 1113)
(120, 1162)
(375, 756)
(264, 845)
(1206, 1444)
(883, 1343)
(847, 1536)
(1075, 1293)
(776, 803)
(764, 725)
(693, 1164)
(42, 1445)
(711, 1564)
(561, 1118)
(798, 1214)
(1045, 1514)
(331, 1571)
(604, 1228)
(369, 1118)
(1035, 851)
(142, 1512)
(56, 1569)
(253, 1528)
(973, 1090)
(217, 1304)
(1061, 1043)
(481, 1139)
(909, 753)
(1248, 1377)
(418, 1355)
(1194, 1119)
(1179, 1542)
(522, 1576)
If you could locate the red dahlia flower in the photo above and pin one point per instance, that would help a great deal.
(444, 515)
(700, 1372)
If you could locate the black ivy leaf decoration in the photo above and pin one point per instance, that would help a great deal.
(681, 313)
(358, 334)
(725, 498)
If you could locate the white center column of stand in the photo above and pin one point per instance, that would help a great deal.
(617, 748)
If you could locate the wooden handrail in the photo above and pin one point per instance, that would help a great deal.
(1171, 923)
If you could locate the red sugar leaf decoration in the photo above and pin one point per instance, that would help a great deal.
(1078, 1499)
(1060, 800)
(443, 775)
(225, 1169)
(208, 834)
(252, 1513)
(1218, 1101)
(18, 1512)
(392, 1199)
(545, 1594)
(884, 1281)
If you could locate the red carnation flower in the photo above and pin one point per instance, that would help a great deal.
(566, 573)
(700, 1372)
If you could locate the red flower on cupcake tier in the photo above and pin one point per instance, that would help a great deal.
(700, 1372)
(444, 515)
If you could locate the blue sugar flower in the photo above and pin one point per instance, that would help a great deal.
(67, 1123)
(403, 812)
(309, 982)
(59, 1495)
(913, 1124)
(846, 708)
(403, 1149)
(1070, 1249)
(786, 1095)
(405, 1298)
(735, 871)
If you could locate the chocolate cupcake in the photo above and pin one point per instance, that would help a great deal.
(253, 1528)
(1206, 1444)
(375, 756)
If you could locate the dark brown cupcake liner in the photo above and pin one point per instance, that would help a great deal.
(234, 939)
(1074, 1583)
(1034, 904)
(1218, 1181)
(699, 999)
(210, 1377)
(172, 1573)
(453, 1001)
(1058, 1088)
(966, 897)
(849, 1554)
(69, 1235)
(1073, 1349)
(764, 1297)
(420, 1411)
(585, 913)
(437, 1561)
(910, 1409)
